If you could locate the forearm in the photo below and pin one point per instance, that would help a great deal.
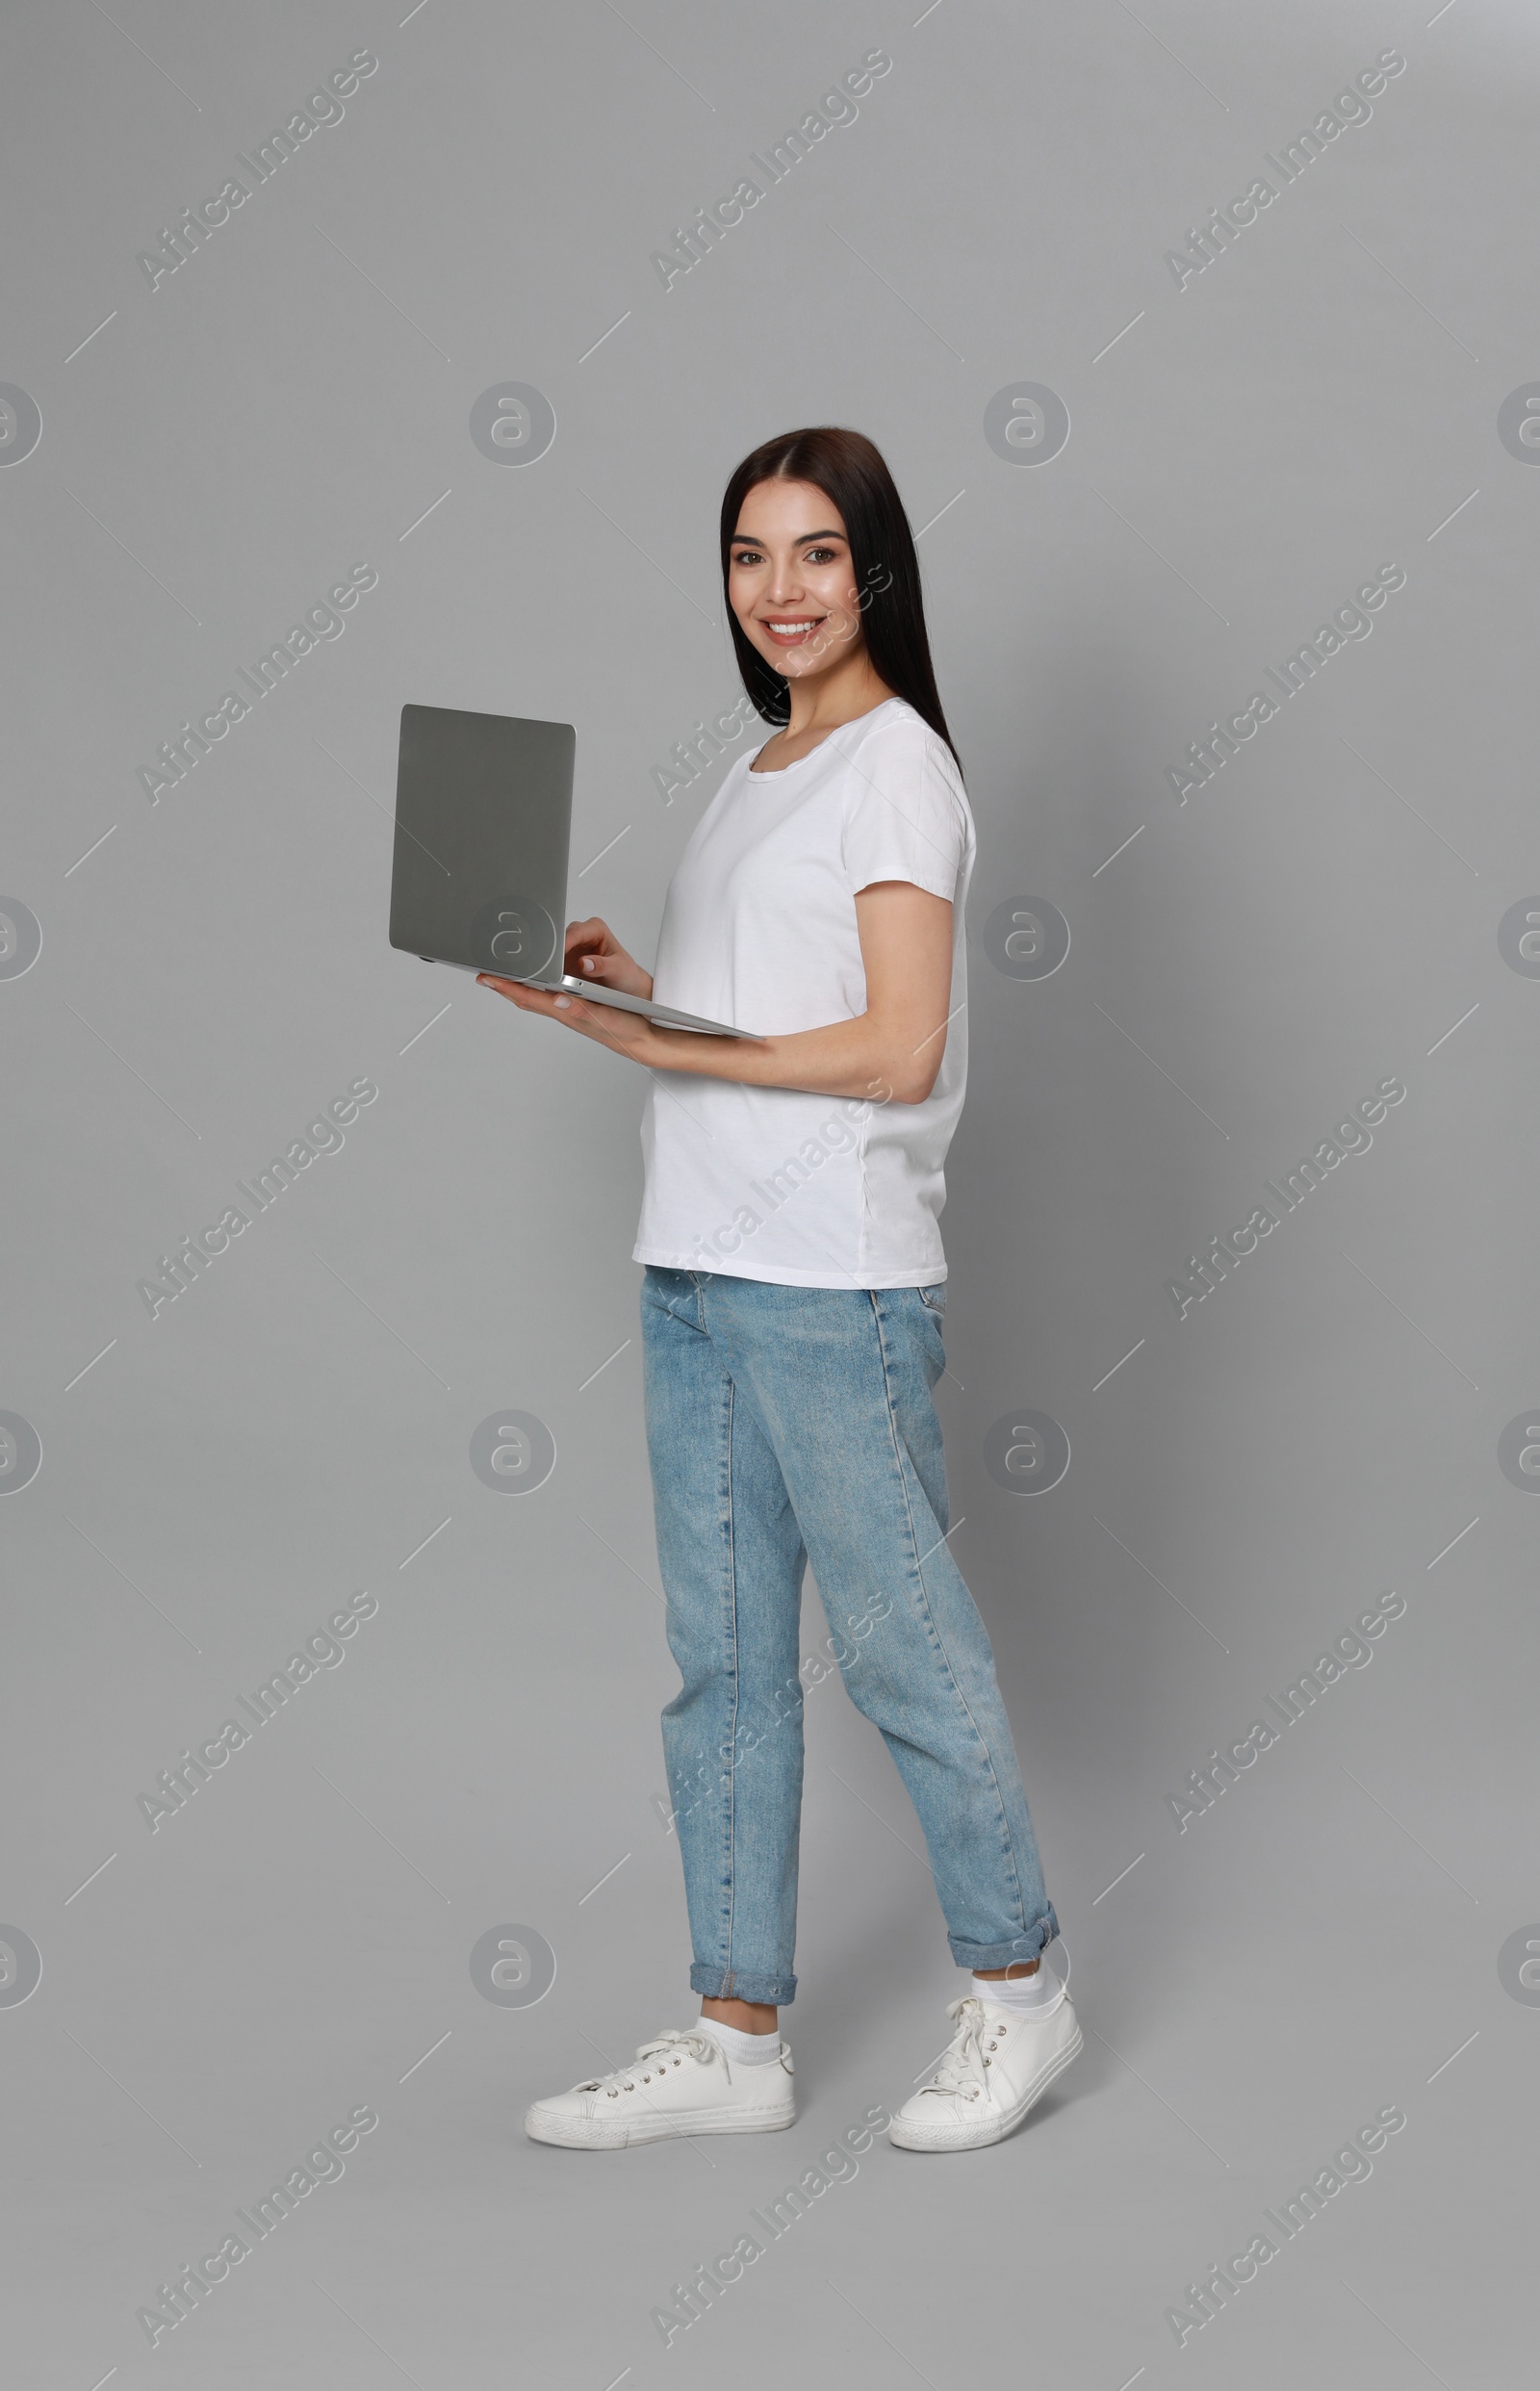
(888, 1054)
(861, 1057)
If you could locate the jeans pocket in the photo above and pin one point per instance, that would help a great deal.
(662, 1288)
(933, 1297)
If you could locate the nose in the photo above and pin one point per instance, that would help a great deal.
(784, 587)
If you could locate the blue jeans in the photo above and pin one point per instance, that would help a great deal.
(789, 1424)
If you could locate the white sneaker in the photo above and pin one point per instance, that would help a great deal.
(1000, 2062)
(679, 2083)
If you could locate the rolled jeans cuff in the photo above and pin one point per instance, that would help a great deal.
(1029, 1946)
(735, 1984)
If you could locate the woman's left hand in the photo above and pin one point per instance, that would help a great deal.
(628, 1034)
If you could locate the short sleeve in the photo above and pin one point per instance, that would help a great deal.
(904, 813)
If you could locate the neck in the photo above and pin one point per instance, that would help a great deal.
(826, 700)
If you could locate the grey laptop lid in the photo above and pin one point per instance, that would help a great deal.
(483, 821)
(483, 825)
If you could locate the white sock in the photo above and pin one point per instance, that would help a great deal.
(1021, 1995)
(748, 2051)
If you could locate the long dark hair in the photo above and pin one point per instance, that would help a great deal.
(852, 471)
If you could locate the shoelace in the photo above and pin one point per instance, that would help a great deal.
(963, 2062)
(664, 2050)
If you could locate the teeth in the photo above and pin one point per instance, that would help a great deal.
(793, 626)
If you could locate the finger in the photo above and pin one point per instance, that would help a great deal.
(531, 999)
(596, 1021)
(574, 1013)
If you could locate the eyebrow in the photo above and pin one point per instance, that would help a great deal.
(747, 539)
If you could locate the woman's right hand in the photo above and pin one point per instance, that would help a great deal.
(593, 952)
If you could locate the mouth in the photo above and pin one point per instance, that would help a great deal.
(791, 630)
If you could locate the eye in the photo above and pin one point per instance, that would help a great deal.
(820, 556)
(748, 556)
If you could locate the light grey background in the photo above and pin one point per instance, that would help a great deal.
(1244, 452)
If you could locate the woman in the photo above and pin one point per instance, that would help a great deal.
(791, 1315)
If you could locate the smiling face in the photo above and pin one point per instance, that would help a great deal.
(791, 579)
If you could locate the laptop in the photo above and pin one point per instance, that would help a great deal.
(484, 826)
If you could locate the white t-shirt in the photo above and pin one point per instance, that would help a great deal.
(760, 929)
